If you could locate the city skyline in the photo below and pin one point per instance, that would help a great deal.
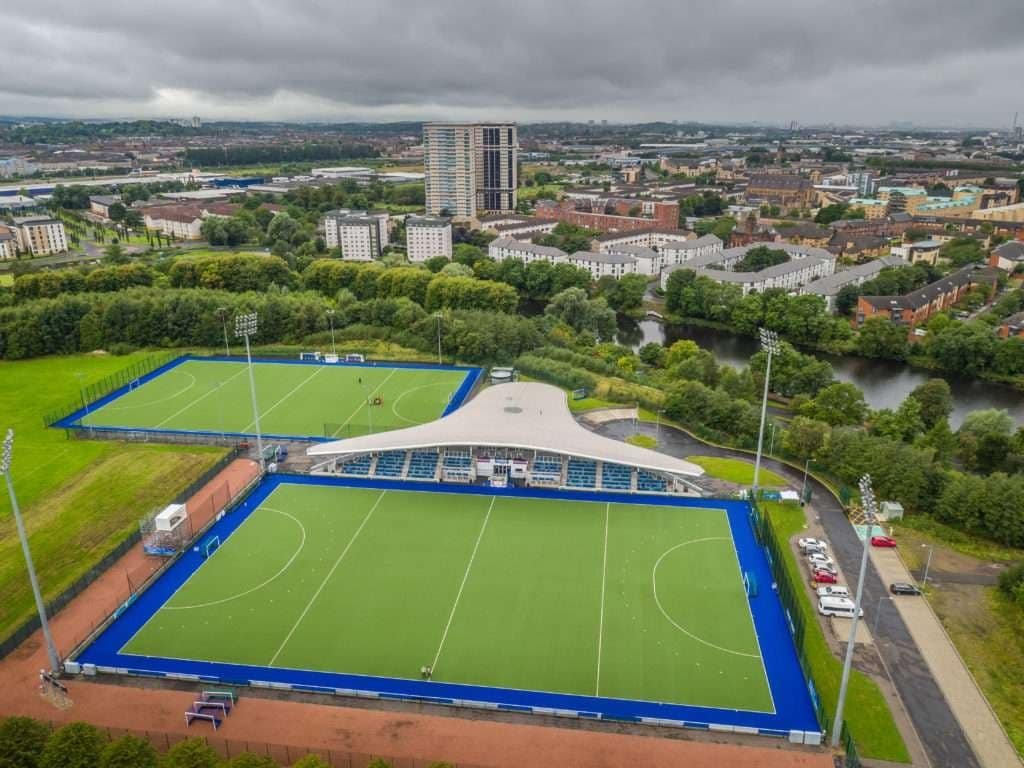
(928, 64)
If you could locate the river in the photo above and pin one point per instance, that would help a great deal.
(885, 383)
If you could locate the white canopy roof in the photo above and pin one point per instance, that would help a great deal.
(524, 415)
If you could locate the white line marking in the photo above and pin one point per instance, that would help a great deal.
(149, 403)
(291, 392)
(287, 565)
(654, 584)
(327, 577)
(365, 404)
(394, 403)
(604, 576)
(200, 398)
(462, 586)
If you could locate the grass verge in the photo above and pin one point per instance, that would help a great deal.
(867, 713)
(736, 471)
(79, 497)
(925, 530)
(642, 441)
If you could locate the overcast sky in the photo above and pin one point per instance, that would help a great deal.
(932, 62)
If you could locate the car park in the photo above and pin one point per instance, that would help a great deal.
(819, 560)
(824, 577)
(883, 541)
(904, 588)
(833, 590)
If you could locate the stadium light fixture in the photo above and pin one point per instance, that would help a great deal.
(5, 469)
(439, 317)
(770, 344)
(246, 326)
(867, 503)
(330, 319)
(222, 313)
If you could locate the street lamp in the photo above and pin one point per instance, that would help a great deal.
(928, 563)
(438, 315)
(803, 490)
(5, 469)
(771, 442)
(330, 319)
(222, 313)
(867, 500)
(369, 405)
(770, 344)
(878, 612)
(245, 326)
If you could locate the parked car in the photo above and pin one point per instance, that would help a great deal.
(818, 560)
(843, 607)
(824, 577)
(883, 541)
(811, 543)
(812, 549)
(904, 588)
(834, 590)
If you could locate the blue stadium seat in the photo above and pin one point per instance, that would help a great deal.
(359, 466)
(581, 473)
(390, 464)
(616, 477)
(423, 465)
(648, 481)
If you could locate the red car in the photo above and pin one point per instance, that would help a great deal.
(883, 541)
(824, 577)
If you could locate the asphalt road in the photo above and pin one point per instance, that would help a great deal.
(940, 732)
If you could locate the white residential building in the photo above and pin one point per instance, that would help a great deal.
(828, 287)
(525, 229)
(334, 222)
(648, 261)
(426, 237)
(604, 264)
(647, 238)
(16, 166)
(506, 248)
(806, 264)
(40, 235)
(470, 167)
(682, 251)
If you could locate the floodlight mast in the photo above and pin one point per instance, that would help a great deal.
(246, 326)
(867, 502)
(5, 470)
(770, 344)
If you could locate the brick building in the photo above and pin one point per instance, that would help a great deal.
(781, 189)
(918, 306)
(661, 214)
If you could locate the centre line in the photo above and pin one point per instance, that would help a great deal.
(462, 586)
(295, 389)
(366, 404)
(327, 577)
(604, 575)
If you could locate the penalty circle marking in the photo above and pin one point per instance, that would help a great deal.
(673, 622)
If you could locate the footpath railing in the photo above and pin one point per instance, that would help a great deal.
(282, 754)
(54, 606)
(108, 384)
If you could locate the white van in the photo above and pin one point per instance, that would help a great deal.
(834, 590)
(842, 607)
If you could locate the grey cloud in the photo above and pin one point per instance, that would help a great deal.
(928, 60)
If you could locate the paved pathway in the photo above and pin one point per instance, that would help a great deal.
(941, 733)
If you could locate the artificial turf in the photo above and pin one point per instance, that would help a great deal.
(618, 600)
(294, 400)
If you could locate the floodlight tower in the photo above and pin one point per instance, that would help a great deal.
(867, 502)
(222, 313)
(770, 344)
(438, 316)
(246, 326)
(330, 319)
(5, 469)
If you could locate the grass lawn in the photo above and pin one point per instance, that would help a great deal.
(867, 714)
(643, 441)
(921, 529)
(79, 497)
(323, 575)
(6, 279)
(532, 193)
(736, 471)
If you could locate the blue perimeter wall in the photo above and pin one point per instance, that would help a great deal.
(790, 691)
(73, 421)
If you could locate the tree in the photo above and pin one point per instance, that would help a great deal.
(191, 753)
(129, 752)
(805, 437)
(115, 254)
(22, 741)
(582, 314)
(830, 213)
(653, 354)
(249, 760)
(936, 401)
(941, 440)
(310, 761)
(116, 212)
(880, 338)
(761, 257)
(838, 404)
(76, 745)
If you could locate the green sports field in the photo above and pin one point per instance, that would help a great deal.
(618, 600)
(294, 400)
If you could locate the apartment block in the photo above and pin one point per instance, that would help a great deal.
(427, 237)
(470, 168)
(918, 306)
(8, 244)
(40, 235)
(805, 265)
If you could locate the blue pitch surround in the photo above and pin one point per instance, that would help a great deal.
(74, 420)
(790, 691)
